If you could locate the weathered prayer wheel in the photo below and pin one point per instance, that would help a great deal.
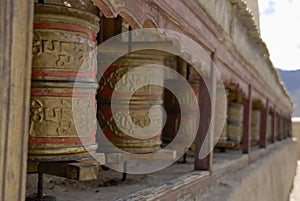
(175, 111)
(255, 125)
(62, 111)
(220, 109)
(139, 104)
(235, 122)
(269, 126)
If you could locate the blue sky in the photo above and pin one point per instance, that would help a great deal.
(280, 29)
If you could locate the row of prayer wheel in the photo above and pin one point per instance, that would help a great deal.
(67, 100)
(63, 96)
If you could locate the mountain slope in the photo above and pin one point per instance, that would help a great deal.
(291, 80)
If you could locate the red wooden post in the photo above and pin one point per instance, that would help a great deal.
(263, 127)
(246, 141)
(207, 110)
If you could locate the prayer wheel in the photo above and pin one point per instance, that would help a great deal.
(62, 111)
(235, 122)
(255, 125)
(139, 103)
(269, 126)
(220, 106)
(175, 112)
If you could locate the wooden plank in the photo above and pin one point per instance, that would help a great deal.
(97, 159)
(228, 145)
(15, 73)
(32, 167)
(118, 158)
(163, 155)
(76, 171)
(246, 141)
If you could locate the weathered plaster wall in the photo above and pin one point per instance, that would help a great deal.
(296, 133)
(220, 10)
(268, 179)
(253, 6)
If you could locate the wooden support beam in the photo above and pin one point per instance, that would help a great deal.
(76, 171)
(16, 25)
(32, 167)
(246, 141)
(263, 126)
(207, 116)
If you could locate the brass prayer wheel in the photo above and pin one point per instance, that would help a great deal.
(269, 126)
(175, 111)
(139, 103)
(235, 122)
(62, 111)
(255, 125)
(220, 106)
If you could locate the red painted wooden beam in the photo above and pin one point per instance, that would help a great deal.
(207, 116)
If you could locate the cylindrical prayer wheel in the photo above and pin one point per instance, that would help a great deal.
(221, 108)
(235, 122)
(255, 125)
(63, 113)
(175, 111)
(269, 126)
(140, 101)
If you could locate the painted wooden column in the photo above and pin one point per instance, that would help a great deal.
(263, 126)
(15, 74)
(207, 116)
(246, 141)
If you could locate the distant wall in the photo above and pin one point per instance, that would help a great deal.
(269, 179)
(296, 133)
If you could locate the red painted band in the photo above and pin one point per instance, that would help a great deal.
(65, 27)
(75, 95)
